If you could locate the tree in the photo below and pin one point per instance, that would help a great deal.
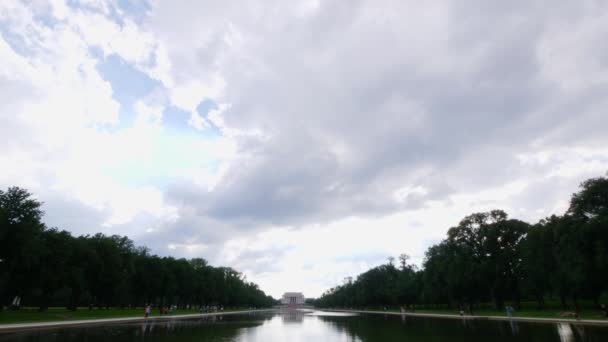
(403, 258)
(592, 200)
(20, 242)
(502, 257)
(568, 278)
(56, 254)
(487, 250)
(435, 266)
(538, 254)
(38, 263)
(488, 256)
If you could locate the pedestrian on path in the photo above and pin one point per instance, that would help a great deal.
(509, 310)
(147, 311)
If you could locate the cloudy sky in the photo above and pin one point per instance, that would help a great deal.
(299, 142)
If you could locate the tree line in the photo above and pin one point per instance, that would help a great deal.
(44, 267)
(490, 258)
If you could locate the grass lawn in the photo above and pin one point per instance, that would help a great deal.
(553, 309)
(548, 313)
(29, 315)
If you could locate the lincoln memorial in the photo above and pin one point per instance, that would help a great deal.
(292, 298)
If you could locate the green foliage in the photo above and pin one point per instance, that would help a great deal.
(51, 267)
(21, 231)
(491, 258)
(592, 201)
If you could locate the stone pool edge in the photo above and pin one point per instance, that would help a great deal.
(14, 327)
(490, 318)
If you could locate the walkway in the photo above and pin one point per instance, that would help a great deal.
(57, 324)
(491, 318)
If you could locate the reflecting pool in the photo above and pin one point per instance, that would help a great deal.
(313, 326)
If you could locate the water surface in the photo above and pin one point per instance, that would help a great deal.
(317, 326)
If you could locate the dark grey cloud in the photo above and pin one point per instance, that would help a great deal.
(258, 262)
(72, 215)
(358, 100)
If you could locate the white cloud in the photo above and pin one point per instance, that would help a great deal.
(62, 115)
(148, 114)
(374, 125)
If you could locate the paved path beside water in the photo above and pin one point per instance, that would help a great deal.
(84, 322)
(491, 318)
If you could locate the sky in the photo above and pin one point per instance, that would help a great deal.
(299, 142)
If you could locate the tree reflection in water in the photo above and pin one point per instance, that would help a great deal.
(379, 328)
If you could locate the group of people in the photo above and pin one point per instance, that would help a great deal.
(405, 309)
(207, 308)
(462, 312)
(167, 310)
(162, 309)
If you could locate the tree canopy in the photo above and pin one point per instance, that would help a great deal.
(47, 266)
(489, 257)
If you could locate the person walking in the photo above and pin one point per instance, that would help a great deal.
(509, 309)
(147, 311)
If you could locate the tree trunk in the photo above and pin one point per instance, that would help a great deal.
(74, 299)
(44, 304)
(517, 300)
(499, 303)
(540, 299)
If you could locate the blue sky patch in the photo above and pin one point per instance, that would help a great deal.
(136, 10)
(176, 119)
(128, 84)
(204, 107)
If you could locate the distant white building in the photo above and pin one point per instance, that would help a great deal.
(292, 298)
